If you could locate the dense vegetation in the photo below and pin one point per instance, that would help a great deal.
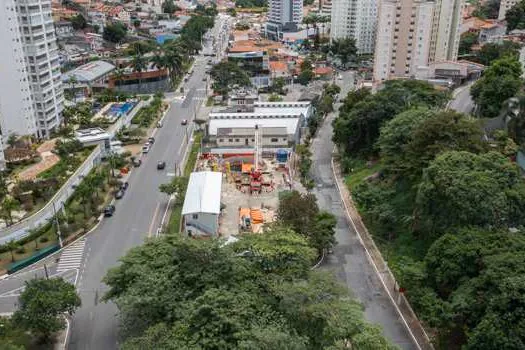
(251, 3)
(258, 293)
(515, 16)
(443, 207)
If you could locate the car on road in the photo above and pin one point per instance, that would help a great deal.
(161, 165)
(204, 79)
(159, 124)
(124, 186)
(119, 194)
(151, 140)
(137, 162)
(184, 122)
(109, 210)
(146, 147)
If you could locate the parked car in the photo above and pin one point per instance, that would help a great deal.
(159, 124)
(145, 148)
(124, 186)
(137, 163)
(184, 122)
(109, 210)
(161, 165)
(119, 194)
(151, 140)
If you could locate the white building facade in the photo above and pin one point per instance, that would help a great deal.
(446, 25)
(283, 16)
(504, 6)
(41, 55)
(16, 105)
(403, 38)
(355, 19)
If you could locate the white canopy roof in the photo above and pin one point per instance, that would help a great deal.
(203, 194)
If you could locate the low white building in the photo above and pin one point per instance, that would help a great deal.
(202, 204)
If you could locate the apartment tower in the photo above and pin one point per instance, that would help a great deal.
(444, 43)
(404, 31)
(43, 68)
(355, 19)
(283, 16)
(17, 115)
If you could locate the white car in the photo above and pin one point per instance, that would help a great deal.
(146, 147)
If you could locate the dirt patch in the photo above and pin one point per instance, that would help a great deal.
(48, 159)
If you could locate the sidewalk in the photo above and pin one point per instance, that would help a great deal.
(409, 318)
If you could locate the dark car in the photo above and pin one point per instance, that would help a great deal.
(109, 210)
(124, 186)
(161, 165)
(151, 140)
(184, 122)
(119, 194)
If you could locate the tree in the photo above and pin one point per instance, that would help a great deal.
(231, 11)
(500, 82)
(466, 42)
(12, 246)
(177, 186)
(491, 52)
(411, 140)
(461, 188)
(178, 293)
(136, 23)
(515, 16)
(9, 204)
(275, 98)
(305, 77)
(12, 337)
(298, 211)
(78, 22)
(278, 85)
(42, 305)
(114, 32)
(357, 128)
(11, 139)
(227, 75)
(332, 90)
(343, 49)
(168, 6)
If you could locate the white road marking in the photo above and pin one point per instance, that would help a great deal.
(71, 257)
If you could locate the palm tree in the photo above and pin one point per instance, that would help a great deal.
(9, 204)
(12, 245)
(139, 64)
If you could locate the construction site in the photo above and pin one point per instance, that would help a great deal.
(251, 185)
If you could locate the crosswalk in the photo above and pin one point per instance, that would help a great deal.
(71, 257)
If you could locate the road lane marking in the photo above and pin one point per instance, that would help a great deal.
(150, 231)
(71, 257)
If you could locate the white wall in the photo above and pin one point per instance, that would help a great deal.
(205, 223)
(16, 106)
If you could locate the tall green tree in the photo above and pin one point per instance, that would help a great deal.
(343, 49)
(42, 305)
(515, 16)
(500, 82)
(227, 75)
(115, 32)
(9, 204)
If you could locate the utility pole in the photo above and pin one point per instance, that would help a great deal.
(59, 234)
(46, 272)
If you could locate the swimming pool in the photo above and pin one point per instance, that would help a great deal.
(120, 109)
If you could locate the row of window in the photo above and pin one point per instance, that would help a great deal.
(273, 139)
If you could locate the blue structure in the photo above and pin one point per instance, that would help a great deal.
(120, 109)
(161, 38)
(281, 155)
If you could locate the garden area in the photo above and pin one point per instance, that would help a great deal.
(79, 214)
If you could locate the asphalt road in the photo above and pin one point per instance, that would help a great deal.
(138, 215)
(462, 102)
(349, 261)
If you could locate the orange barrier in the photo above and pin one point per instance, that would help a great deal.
(256, 215)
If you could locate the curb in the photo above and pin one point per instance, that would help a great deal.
(320, 262)
(372, 262)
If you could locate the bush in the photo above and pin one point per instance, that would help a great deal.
(20, 250)
(44, 239)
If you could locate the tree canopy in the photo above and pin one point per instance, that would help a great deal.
(343, 49)
(257, 293)
(501, 81)
(515, 16)
(361, 117)
(115, 32)
(462, 188)
(227, 75)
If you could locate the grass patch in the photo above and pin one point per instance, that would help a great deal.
(209, 101)
(359, 173)
(176, 212)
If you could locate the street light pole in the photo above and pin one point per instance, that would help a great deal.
(59, 234)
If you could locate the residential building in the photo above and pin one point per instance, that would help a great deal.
(355, 19)
(81, 80)
(446, 25)
(17, 115)
(202, 204)
(504, 6)
(43, 67)
(492, 30)
(326, 7)
(404, 31)
(283, 16)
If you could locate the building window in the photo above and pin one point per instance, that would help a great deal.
(221, 140)
(274, 139)
(236, 140)
(195, 216)
(230, 140)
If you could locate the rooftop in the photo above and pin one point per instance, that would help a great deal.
(204, 193)
(291, 124)
(89, 72)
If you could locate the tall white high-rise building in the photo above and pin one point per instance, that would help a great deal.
(43, 68)
(16, 105)
(444, 43)
(403, 37)
(283, 16)
(504, 6)
(355, 19)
